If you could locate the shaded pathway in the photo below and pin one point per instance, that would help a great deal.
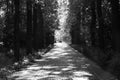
(62, 63)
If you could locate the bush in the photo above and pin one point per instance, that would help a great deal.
(114, 65)
(4, 61)
(108, 60)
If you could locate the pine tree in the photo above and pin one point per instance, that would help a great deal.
(93, 23)
(29, 27)
(115, 24)
(16, 30)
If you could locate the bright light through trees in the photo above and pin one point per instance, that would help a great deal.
(2, 13)
(62, 16)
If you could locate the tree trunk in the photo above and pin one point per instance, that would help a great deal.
(16, 30)
(35, 27)
(75, 31)
(5, 40)
(115, 24)
(29, 27)
(101, 24)
(41, 27)
(93, 24)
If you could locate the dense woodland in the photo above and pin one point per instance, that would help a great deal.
(27, 26)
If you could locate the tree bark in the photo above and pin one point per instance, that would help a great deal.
(101, 24)
(16, 30)
(29, 27)
(35, 27)
(5, 40)
(93, 24)
(41, 28)
(115, 24)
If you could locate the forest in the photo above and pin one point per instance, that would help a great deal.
(30, 28)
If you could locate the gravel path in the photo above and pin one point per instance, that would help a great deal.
(62, 63)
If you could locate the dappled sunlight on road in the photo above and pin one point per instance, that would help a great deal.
(62, 44)
(61, 63)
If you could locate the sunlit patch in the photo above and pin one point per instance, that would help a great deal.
(2, 13)
(63, 54)
(53, 53)
(53, 77)
(53, 57)
(40, 60)
(49, 67)
(80, 78)
(29, 78)
(57, 72)
(34, 68)
(56, 55)
(61, 45)
(21, 73)
(42, 72)
(70, 67)
(59, 51)
(66, 69)
(81, 73)
(56, 52)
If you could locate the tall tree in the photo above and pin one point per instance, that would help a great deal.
(115, 24)
(29, 26)
(101, 24)
(93, 23)
(5, 40)
(35, 26)
(16, 30)
(38, 26)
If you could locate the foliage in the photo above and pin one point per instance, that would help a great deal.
(93, 25)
